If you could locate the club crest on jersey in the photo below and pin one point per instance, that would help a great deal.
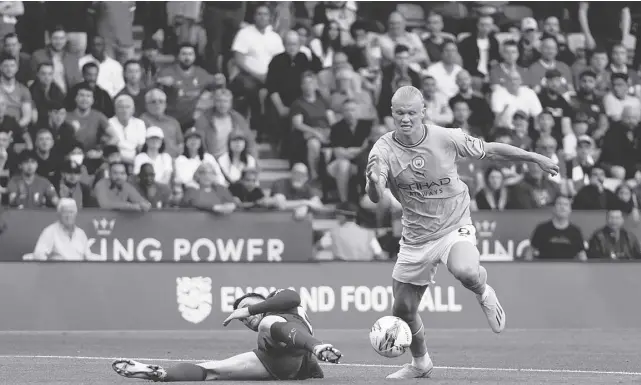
(418, 163)
(194, 298)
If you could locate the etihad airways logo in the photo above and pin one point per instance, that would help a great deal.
(424, 188)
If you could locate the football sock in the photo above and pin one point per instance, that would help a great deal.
(294, 335)
(185, 372)
(422, 362)
(418, 346)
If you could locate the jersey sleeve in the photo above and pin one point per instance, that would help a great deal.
(466, 146)
(382, 153)
(281, 300)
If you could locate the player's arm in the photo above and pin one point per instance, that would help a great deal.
(281, 301)
(502, 151)
(376, 173)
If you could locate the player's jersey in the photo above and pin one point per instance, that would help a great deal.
(424, 179)
(298, 313)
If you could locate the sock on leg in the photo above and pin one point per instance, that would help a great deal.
(420, 356)
(185, 372)
(293, 335)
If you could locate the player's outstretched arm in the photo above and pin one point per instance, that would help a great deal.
(502, 151)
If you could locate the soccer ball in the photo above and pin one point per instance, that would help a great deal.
(390, 336)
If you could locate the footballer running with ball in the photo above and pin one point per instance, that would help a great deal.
(287, 349)
(417, 161)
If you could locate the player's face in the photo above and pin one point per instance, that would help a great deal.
(253, 321)
(408, 115)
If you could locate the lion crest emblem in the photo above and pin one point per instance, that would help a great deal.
(194, 298)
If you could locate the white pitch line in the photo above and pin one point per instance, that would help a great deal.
(461, 368)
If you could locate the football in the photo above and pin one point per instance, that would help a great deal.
(390, 336)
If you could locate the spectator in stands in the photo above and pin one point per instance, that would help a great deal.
(342, 12)
(613, 241)
(216, 125)
(616, 101)
(296, 193)
(328, 44)
(494, 195)
(579, 168)
(481, 113)
(553, 102)
(529, 44)
(461, 119)
(47, 162)
(312, 119)
(558, 238)
(28, 189)
(347, 139)
(10, 124)
(148, 62)
(101, 100)
(446, 71)
(586, 102)
(348, 87)
(68, 185)
(327, 77)
(604, 23)
(500, 72)
(436, 38)
(66, 70)
(116, 193)
(364, 46)
(45, 92)
(622, 144)
(8, 163)
(183, 83)
(209, 196)
(156, 102)
(63, 240)
(480, 50)
(247, 192)
(236, 159)
(56, 122)
(514, 97)
(552, 27)
(548, 61)
(134, 87)
(547, 146)
(157, 194)
(437, 105)
(13, 48)
(254, 47)
(520, 135)
(396, 36)
(594, 196)
(619, 64)
(17, 96)
(129, 131)
(110, 154)
(221, 21)
(597, 63)
(91, 126)
(110, 73)
(534, 191)
(192, 157)
(153, 151)
(627, 201)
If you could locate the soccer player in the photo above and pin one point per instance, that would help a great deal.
(418, 163)
(286, 349)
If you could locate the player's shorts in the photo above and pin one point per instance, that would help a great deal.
(416, 264)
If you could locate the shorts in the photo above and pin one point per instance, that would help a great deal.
(416, 264)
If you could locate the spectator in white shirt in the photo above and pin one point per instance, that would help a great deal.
(192, 158)
(398, 35)
(514, 97)
(236, 159)
(130, 131)
(446, 70)
(437, 105)
(254, 47)
(110, 73)
(63, 240)
(154, 152)
(615, 101)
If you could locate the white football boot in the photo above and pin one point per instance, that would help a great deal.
(492, 309)
(135, 369)
(410, 371)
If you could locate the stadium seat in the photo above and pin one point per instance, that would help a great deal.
(413, 14)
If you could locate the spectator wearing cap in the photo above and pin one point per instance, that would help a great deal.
(617, 100)
(156, 102)
(129, 131)
(110, 154)
(47, 161)
(613, 241)
(192, 157)
(157, 194)
(552, 101)
(66, 70)
(209, 196)
(481, 116)
(134, 87)
(13, 47)
(116, 193)
(548, 61)
(63, 240)
(247, 192)
(348, 87)
(17, 96)
(296, 193)
(236, 159)
(398, 35)
(28, 189)
(393, 76)
(45, 93)
(529, 44)
(254, 47)
(446, 70)
(622, 143)
(480, 49)
(69, 185)
(435, 37)
(216, 125)
(594, 196)
(110, 75)
(500, 72)
(8, 123)
(580, 168)
(437, 105)
(505, 101)
(153, 151)
(588, 105)
(101, 100)
(619, 64)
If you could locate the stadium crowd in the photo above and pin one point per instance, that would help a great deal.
(85, 116)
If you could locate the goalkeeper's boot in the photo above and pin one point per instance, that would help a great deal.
(327, 353)
(492, 309)
(135, 369)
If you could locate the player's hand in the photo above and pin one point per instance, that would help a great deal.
(241, 313)
(373, 170)
(548, 165)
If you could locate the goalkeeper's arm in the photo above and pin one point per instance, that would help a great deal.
(283, 300)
